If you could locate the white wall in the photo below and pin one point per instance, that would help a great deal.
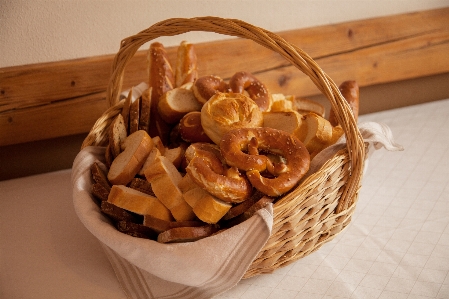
(34, 31)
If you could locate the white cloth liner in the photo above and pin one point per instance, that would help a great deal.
(201, 269)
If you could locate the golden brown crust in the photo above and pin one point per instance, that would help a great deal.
(267, 140)
(186, 64)
(126, 108)
(206, 168)
(161, 80)
(134, 114)
(244, 81)
(186, 234)
(191, 130)
(126, 165)
(117, 135)
(145, 109)
(207, 86)
(228, 111)
(159, 225)
(350, 91)
(176, 103)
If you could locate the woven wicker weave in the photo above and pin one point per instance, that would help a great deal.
(322, 205)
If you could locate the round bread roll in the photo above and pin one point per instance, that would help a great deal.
(227, 111)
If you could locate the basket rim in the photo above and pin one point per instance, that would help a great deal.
(240, 29)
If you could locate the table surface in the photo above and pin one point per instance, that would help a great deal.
(397, 245)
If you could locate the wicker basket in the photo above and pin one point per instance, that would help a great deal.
(322, 205)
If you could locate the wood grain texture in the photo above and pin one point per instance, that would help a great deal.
(57, 99)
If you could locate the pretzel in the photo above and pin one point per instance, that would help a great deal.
(244, 81)
(207, 168)
(282, 177)
(207, 86)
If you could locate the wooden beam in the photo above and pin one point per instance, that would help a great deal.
(57, 99)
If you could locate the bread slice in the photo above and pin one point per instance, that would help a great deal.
(175, 155)
(145, 108)
(210, 209)
(127, 164)
(154, 153)
(303, 106)
(186, 234)
(175, 103)
(126, 108)
(134, 114)
(164, 178)
(138, 202)
(289, 121)
(159, 225)
(117, 135)
(319, 132)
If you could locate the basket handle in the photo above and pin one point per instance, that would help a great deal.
(291, 53)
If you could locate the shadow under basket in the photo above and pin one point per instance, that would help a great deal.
(321, 206)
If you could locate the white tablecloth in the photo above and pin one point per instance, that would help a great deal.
(397, 245)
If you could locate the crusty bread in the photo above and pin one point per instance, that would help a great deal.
(175, 155)
(288, 121)
(134, 115)
(99, 175)
(281, 102)
(159, 145)
(161, 79)
(154, 153)
(127, 164)
(138, 202)
(175, 103)
(210, 209)
(303, 106)
(350, 91)
(117, 135)
(164, 179)
(186, 234)
(141, 185)
(100, 191)
(117, 213)
(145, 109)
(319, 132)
(159, 225)
(186, 64)
(126, 108)
(191, 129)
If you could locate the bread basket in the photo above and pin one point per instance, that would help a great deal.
(322, 205)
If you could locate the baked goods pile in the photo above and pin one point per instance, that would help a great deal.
(194, 155)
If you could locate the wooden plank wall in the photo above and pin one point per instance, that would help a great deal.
(63, 98)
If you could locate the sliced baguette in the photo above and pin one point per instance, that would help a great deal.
(289, 121)
(319, 132)
(117, 135)
(138, 202)
(176, 103)
(303, 106)
(127, 164)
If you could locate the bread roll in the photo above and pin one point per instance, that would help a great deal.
(161, 80)
(350, 91)
(186, 64)
(127, 164)
(227, 111)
